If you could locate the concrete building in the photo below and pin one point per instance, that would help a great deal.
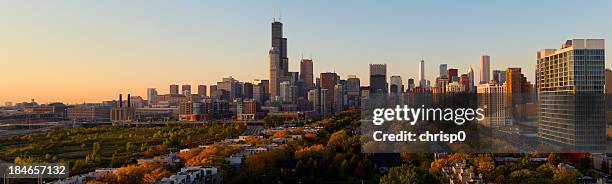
(89, 113)
(570, 86)
(493, 97)
(122, 113)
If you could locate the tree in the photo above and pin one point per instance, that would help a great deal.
(155, 175)
(407, 174)
(273, 120)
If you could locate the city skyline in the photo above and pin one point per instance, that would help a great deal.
(87, 68)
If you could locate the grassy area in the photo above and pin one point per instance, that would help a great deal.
(109, 146)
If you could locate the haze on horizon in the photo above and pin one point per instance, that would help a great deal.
(89, 51)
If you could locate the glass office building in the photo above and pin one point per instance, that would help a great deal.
(570, 84)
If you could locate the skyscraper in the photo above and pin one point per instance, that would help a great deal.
(570, 84)
(279, 62)
(485, 69)
(493, 97)
(471, 77)
(202, 90)
(453, 74)
(353, 91)
(231, 86)
(339, 96)
(443, 71)
(328, 82)
(314, 98)
(396, 85)
(499, 76)
(186, 89)
(275, 72)
(174, 89)
(411, 84)
(518, 91)
(259, 93)
(247, 90)
(422, 80)
(378, 78)
(287, 92)
(306, 72)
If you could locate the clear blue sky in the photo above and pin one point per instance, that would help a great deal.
(77, 51)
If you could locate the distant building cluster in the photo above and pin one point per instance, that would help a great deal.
(567, 97)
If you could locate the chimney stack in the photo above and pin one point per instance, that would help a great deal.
(128, 101)
(120, 101)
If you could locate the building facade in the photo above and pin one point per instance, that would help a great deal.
(570, 83)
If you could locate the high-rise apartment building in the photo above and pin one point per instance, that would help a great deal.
(493, 97)
(174, 89)
(202, 90)
(378, 78)
(186, 89)
(570, 83)
(485, 69)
